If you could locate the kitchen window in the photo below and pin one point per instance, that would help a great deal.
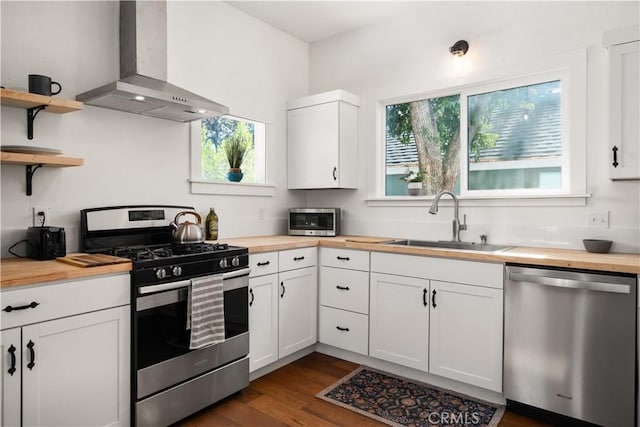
(209, 162)
(512, 138)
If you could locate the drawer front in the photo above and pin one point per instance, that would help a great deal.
(344, 329)
(344, 258)
(263, 264)
(61, 299)
(297, 258)
(344, 289)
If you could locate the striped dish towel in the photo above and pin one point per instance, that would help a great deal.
(205, 311)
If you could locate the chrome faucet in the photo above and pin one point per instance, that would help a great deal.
(456, 219)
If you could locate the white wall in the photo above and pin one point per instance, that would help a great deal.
(409, 55)
(213, 49)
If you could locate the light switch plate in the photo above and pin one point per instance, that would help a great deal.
(598, 219)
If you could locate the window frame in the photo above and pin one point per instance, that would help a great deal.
(203, 186)
(570, 69)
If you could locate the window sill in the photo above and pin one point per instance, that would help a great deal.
(231, 188)
(509, 201)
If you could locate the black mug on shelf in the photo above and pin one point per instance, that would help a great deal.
(42, 85)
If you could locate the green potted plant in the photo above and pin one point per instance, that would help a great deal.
(235, 147)
(415, 181)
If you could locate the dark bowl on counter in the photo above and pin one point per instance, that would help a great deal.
(597, 246)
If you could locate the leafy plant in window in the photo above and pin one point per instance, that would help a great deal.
(235, 147)
(215, 164)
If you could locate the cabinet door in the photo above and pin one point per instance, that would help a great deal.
(76, 370)
(298, 307)
(313, 146)
(11, 371)
(466, 334)
(399, 320)
(263, 321)
(624, 111)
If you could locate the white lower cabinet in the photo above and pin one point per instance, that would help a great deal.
(10, 391)
(466, 334)
(443, 316)
(344, 329)
(399, 320)
(263, 321)
(298, 308)
(69, 371)
(283, 304)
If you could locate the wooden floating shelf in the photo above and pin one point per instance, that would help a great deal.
(39, 159)
(15, 98)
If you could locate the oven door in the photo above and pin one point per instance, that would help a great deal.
(161, 341)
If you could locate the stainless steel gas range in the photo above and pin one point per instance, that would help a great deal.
(170, 381)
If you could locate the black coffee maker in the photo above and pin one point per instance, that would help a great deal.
(46, 242)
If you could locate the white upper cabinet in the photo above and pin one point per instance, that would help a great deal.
(322, 141)
(624, 102)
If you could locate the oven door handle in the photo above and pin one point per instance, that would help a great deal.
(182, 283)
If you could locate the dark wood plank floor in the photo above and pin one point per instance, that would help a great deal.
(286, 397)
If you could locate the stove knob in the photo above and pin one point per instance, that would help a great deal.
(177, 271)
(223, 263)
(235, 261)
(161, 273)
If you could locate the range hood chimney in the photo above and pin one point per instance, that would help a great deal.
(142, 88)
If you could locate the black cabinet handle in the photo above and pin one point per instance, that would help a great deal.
(252, 297)
(9, 308)
(32, 355)
(335, 171)
(298, 258)
(342, 288)
(12, 353)
(424, 297)
(615, 156)
(343, 258)
(433, 299)
(262, 264)
(283, 289)
(342, 329)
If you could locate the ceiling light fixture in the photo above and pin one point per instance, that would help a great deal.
(459, 48)
(139, 98)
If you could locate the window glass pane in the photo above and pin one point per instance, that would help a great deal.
(423, 144)
(218, 131)
(515, 138)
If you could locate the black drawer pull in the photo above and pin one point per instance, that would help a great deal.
(32, 355)
(615, 156)
(433, 299)
(12, 352)
(298, 258)
(262, 264)
(342, 329)
(283, 290)
(424, 297)
(9, 308)
(343, 258)
(335, 170)
(342, 288)
(252, 297)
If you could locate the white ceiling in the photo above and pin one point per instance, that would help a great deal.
(312, 21)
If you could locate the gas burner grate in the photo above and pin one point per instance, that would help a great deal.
(196, 248)
(144, 253)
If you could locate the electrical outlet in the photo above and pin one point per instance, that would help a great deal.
(261, 213)
(41, 216)
(598, 219)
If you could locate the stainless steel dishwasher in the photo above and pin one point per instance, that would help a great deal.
(570, 343)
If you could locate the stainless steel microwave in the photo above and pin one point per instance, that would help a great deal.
(314, 221)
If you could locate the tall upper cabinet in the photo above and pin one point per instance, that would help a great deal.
(322, 141)
(624, 102)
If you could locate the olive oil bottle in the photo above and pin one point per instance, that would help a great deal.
(211, 224)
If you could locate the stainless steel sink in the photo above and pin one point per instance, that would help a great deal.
(446, 244)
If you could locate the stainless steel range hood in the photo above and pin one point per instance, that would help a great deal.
(142, 88)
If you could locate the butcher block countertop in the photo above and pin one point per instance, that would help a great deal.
(622, 263)
(20, 271)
